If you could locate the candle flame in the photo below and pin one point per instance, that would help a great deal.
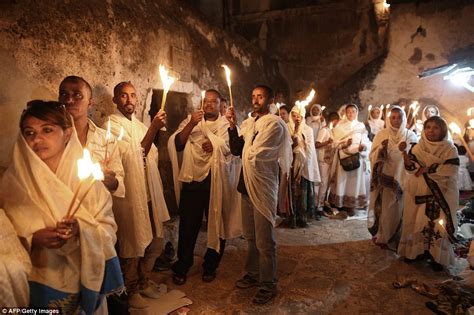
(120, 137)
(403, 107)
(323, 108)
(108, 134)
(310, 96)
(330, 126)
(166, 80)
(386, 5)
(370, 108)
(441, 222)
(96, 171)
(203, 94)
(469, 111)
(227, 74)
(381, 107)
(250, 114)
(454, 128)
(388, 115)
(414, 105)
(84, 165)
(388, 106)
(471, 123)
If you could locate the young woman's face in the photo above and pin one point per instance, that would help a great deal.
(396, 119)
(315, 111)
(46, 139)
(374, 113)
(296, 117)
(433, 131)
(351, 113)
(430, 112)
(284, 115)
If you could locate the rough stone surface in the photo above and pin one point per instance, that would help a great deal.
(110, 41)
(424, 36)
(329, 268)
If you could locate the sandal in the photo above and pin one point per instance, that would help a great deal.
(179, 279)
(264, 296)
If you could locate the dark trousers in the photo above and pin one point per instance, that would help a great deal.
(193, 204)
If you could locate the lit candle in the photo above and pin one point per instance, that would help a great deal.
(83, 172)
(167, 81)
(229, 83)
(107, 139)
(203, 94)
(97, 174)
(457, 130)
(368, 111)
(469, 111)
(471, 123)
(322, 109)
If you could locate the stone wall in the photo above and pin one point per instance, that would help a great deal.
(317, 44)
(424, 36)
(110, 41)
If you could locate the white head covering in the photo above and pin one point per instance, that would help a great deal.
(312, 117)
(423, 114)
(397, 134)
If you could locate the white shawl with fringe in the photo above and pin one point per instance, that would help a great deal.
(36, 198)
(267, 145)
(135, 230)
(194, 164)
(15, 266)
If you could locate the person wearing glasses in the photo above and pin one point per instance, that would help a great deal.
(73, 256)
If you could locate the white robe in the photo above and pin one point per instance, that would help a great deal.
(194, 164)
(349, 188)
(15, 265)
(464, 178)
(377, 124)
(35, 198)
(267, 145)
(305, 162)
(135, 230)
(413, 241)
(388, 174)
(314, 122)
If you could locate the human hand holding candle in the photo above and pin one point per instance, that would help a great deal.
(83, 172)
(229, 83)
(97, 174)
(67, 228)
(457, 130)
(167, 81)
(231, 118)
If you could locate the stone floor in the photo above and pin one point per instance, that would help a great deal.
(331, 267)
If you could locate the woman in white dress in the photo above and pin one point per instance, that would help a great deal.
(388, 174)
(375, 121)
(464, 178)
(349, 188)
(431, 196)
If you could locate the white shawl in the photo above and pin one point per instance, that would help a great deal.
(135, 231)
(377, 124)
(314, 121)
(267, 144)
(194, 164)
(15, 266)
(305, 159)
(35, 198)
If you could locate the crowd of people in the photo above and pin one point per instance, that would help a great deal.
(240, 177)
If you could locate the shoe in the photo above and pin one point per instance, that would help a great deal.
(247, 282)
(179, 279)
(436, 266)
(162, 264)
(153, 290)
(137, 301)
(264, 296)
(208, 276)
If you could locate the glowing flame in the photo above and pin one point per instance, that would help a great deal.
(97, 171)
(381, 107)
(471, 123)
(203, 94)
(120, 137)
(414, 105)
(227, 74)
(386, 5)
(388, 114)
(469, 111)
(330, 126)
(370, 108)
(250, 115)
(403, 107)
(310, 96)
(441, 222)
(323, 108)
(166, 80)
(388, 106)
(84, 165)
(108, 134)
(455, 128)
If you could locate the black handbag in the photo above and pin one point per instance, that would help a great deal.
(350, 163)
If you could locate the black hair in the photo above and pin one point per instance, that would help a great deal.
(215, 91)
(440, 122)
(267, 89)
(50, 111)
(285, 107)
(333, 116)
(119, 87)
(76, 79)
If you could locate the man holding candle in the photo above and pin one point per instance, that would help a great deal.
(205, 183)
(265, 145)
(140, 215)
(76, 94)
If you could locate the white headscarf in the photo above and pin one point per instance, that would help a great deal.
(345, 128)
(378, 123)
(423, 114)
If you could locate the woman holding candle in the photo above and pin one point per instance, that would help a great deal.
(349, 188)
(71, 256)
(431, 196)
(305, 168)
(388, 173)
